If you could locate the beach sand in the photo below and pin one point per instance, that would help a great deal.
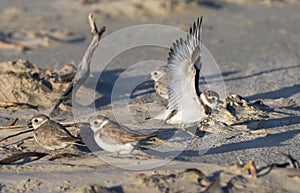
(256, 48)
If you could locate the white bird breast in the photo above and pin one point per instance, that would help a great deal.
(119, 148)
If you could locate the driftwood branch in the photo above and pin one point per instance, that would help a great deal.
(15, 135)
(17, 143)
(12, 45)
(65, 124)
(83, 70)
(13, 122)
(17, 104)
(19, 156)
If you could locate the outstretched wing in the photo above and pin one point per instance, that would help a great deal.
(184, 65)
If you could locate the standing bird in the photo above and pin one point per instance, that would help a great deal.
(160, 81)
(112, 137)
(186, 103)
(50, 134)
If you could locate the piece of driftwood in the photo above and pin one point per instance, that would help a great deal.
(63, 155)
(65, 124)
(17, 134)
(18, 143)
(251, 168)
(19, 156)
(15, 126)
(83, 70)
(16, 104)
(214, 186)
(13, 122)
(11, 45)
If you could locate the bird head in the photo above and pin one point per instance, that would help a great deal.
(210, 98)
(38, 120)
(97, 122)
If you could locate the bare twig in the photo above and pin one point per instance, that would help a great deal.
(83, 70)
(16, 104)
(16, 157)
(63, 155)
(65, 124)
(15, 135)
(11, 45)
(13, 122)
(250, 166)
(15, 126)
(19, 142)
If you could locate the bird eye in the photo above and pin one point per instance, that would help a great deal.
(95, 122)
(155, 73)
(35, 120)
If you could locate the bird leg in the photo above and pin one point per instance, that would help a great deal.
(188, 132)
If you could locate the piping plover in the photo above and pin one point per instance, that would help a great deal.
(50, 134)
(186, 103)
(112, 137)
(160, 78)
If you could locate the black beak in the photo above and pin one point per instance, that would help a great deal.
(220, 102)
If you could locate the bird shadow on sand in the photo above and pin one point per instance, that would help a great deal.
(271, 140)
(110, 79)
(274, 140)
(281, 93)
(225, 74)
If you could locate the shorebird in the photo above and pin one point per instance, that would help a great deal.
(160, 81)
(186, 103)
(113, 137)
(50, 134)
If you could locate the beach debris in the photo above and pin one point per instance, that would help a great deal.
(238, 182)
(251, 168)
(65, 124)
(63, 155)
(15, 135)
(24, 85)
(83, 70)
(16, 104)
(291, 168)
(13, 122)
(19, 156)
(292, 162)
(239, 113)
(11, 45)
(236, 113)
(194, 178)
(214, 186)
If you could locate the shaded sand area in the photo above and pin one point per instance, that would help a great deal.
(243, 146)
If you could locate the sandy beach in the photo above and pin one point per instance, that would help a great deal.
(251, 59)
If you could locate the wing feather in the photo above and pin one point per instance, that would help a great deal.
(184, 64)
(118, 134)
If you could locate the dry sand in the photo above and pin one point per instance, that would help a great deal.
(256, 47)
